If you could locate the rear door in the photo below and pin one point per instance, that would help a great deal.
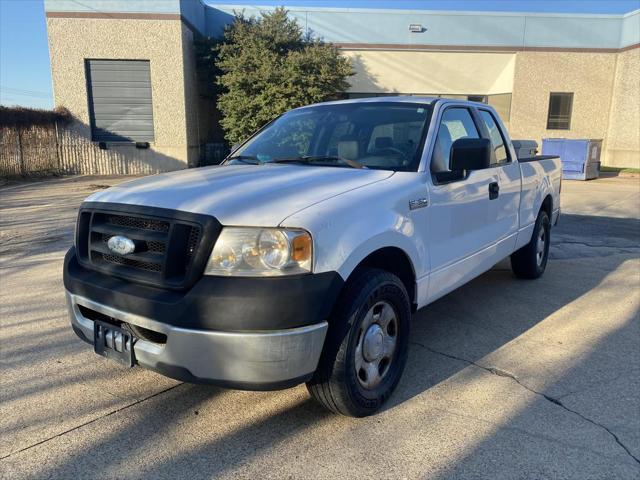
(503, 207)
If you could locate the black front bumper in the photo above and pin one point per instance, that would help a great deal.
(214, 303)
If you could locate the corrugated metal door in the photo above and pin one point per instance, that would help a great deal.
(120, 105)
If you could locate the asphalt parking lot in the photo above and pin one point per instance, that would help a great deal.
(505, 379)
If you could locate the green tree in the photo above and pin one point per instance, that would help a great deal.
(268, 66)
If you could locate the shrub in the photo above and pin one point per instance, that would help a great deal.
(268, 66)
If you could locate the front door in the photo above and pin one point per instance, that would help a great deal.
(462, 230)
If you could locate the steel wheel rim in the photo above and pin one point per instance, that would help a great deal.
(376, 345)
(540, 246)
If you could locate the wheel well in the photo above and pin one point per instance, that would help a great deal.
(547, 205)
(395, 261)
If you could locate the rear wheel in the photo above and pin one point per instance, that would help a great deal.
(366, 347)
(531, 260)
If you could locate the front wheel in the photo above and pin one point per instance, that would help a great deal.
(531, 260)
(366, 347)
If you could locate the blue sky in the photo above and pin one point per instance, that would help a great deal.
(25, 78)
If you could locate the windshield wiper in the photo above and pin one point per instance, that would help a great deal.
(248, 159)
(315, 158)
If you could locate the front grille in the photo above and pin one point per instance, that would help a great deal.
(148, 266)
(156, 246)
(168, 250)
(151, 246)
(139, 223)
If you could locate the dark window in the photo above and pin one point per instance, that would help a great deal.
(497, 142)
(120, 108)
(477, 98)
(559, 117)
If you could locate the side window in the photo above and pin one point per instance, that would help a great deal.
(497, 142)
(456, 123)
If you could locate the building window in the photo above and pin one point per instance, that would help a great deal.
(559, 116)
(120, 108)
(477, 98)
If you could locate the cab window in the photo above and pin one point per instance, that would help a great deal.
(455, 123)
(500, 154)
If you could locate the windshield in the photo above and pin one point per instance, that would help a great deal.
(383, 135)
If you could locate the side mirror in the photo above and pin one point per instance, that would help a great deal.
(470, 154)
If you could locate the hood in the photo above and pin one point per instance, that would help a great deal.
(248, 195)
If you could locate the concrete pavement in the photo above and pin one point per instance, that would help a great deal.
(505, 378)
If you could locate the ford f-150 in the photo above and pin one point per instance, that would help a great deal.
(302, 257)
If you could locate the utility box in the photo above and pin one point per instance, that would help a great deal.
(580, 158)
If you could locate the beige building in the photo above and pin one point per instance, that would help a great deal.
(127, 71)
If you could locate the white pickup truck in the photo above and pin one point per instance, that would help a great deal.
(302, 257)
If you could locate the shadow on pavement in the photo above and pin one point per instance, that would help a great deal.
(466, 328)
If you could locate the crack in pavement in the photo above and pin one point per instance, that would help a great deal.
(117, 410)
(555, 401)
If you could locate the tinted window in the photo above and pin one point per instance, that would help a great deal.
(455, 123)
(560, 106)
(377, 135)
(497, 142)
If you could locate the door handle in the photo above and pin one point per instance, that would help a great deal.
(494, 190)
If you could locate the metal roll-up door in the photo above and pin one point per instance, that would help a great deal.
(120, 107)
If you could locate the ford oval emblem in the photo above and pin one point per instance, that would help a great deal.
(121, 245)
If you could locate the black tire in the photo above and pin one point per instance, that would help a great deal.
(526, 262)
(336, 384)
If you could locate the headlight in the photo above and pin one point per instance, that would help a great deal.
(260, 252)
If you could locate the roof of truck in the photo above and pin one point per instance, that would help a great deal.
(386, 99)
(398, 99)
